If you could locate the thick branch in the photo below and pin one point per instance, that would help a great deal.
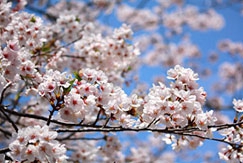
(224, 126)
(4, 150)
(180, 132)
(82, 138)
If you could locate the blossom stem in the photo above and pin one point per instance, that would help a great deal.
(51, 114)
(97, 118)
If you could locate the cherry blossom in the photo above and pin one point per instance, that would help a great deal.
(91, 94)
(231, 73)
(231, 47)
(238, 105)
(37, 144)
(178, 106)
(65, 70)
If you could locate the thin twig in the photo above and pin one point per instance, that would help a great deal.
(151, 122)
(97, 118)
(51, 114)
(106, 122)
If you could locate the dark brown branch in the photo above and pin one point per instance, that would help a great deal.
(153, 122)
(99, 128)
(106, 122)
(82, 138)
(97, 118)
(4, 150)
(51, 114)
(2, 109)
(224, 126)
(214, 139)
(4, 90)
(122, 129)
(5, 132)
(55, 107)
(33, 116)
(180, 132)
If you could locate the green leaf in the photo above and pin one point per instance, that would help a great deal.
(45, 48)
(129, 68)
(77, 19)
(68, 89)
(33, 19)
(76, 75)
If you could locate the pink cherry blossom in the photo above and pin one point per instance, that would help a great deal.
(67, 79)
(238, 105)
(36, 143)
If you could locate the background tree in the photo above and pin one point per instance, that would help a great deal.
(74, 81)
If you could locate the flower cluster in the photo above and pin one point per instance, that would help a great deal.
(232, 76)
(19, 39)
(111, 152)
(91, 94)
(85, 151)
(5, 12)
(139, 18)
(16, 62)
(111, 54)
(179, 106)
(231, 47)
(80, 9)
(30, 32)
(169, 54)
(188, 15)
(37, 144)
(53, 81)
(69, 26)
(233, 152)
(191, 17)
(36, 106)
(238, 105)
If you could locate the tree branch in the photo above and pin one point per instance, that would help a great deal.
(5, 132)
(3, 91)
(82, 138)
(2, 109)
(4, 150)
(180, 132)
